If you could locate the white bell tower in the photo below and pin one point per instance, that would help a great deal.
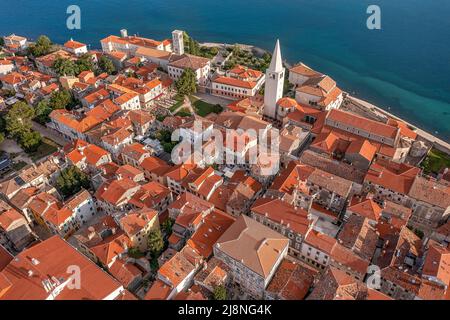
(274, 83)
(178, 42)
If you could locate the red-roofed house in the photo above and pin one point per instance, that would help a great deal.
(212, 227)
(292, 281)
(238, 83)
(284, 218)
(75, 47)
(366, 208)
(320, 92)
(253, 253)
(87, 156)
(63, 218)
(152, 195)
(134, 154)
(47, 273)
(6, 66)
(113, 196)
(363, 127)
(317, 248)
(436, 266)
(201, 67)
(14, 230)
(178, 272)
(137, 226)
(347, 261)
(188, 211)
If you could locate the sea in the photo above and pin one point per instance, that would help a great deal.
(404, 67)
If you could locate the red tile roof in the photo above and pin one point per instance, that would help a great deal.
(320, 241)
(281, 212)
(211, 229)
(397, 177)
(292, 280)
(49, 261)
(365, 124)
(366, 208)
(74, 44)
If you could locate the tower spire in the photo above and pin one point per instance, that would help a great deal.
(276, 65)
(274, 84)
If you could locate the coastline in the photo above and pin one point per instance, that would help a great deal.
(367, 106)
(435, 141)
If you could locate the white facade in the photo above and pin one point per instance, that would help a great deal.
(201, 74)
(117, 148)
(314, 256)
(147, 98)
(17, 42)
(297, 78)
(132, 104)
(235, 92)
(274, 83)
(6, 68)
(313, 100)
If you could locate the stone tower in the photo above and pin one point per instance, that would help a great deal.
(274, 83)
(178, 42)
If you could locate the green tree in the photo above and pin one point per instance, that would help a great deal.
(42, 47)
(167, 226)
(187, 84)
(267, 57)
(42, 112)
(2, 137)
(106, 65)
(2, 42)
(220, 293)
(30, 141)
(18, 119)
(155, 242)
(193, 47)
(236, 50)
(2, 124)
(135, 253)
(85, 63)
(65, 67)
(60, 100)
(72, 180)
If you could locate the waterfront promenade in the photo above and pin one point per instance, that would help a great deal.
(439, 143)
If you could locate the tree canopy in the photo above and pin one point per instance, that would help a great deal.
(65, 67)
(85, 63)
(61, 100)
(72, 180)
(106, 65)
(30, 141)
(18, 119)
(155, 242)
(187, 84)
(167, 226)
(42, 46)
(220, 293)
(42, 112)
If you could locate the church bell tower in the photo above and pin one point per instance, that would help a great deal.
(274, 83)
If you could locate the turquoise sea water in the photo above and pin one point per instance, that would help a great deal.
(404, 67)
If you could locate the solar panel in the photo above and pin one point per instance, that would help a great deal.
(19, 181)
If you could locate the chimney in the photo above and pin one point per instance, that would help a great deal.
(124, 33)
(91, 233)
